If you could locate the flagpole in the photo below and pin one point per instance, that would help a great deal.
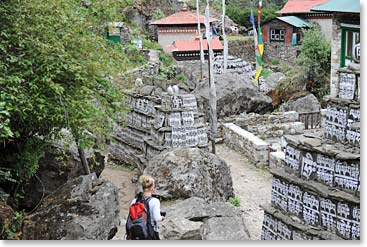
(210, 77)
(212, 87)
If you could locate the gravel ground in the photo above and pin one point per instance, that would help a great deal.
(251, 185)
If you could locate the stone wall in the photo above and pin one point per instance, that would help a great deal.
(242, 48)
(280, 52)
(336, 48)
(284, 53)
(246, 143)
(320, 187)
(343, 114)
(335, 57)
(271, 125)
(320, 182)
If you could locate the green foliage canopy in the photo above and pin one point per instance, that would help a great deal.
(315, 59)
(57, 71)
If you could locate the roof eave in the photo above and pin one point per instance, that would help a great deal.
(334, 11)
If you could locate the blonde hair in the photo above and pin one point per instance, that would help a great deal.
(146, 182)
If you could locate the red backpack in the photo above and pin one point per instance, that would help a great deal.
(139, 224)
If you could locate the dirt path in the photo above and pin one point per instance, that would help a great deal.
(251, 185)
(121, 178)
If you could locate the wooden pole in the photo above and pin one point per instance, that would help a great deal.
(210, 75)
(82, 157)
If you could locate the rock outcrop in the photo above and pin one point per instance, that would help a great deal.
(84, 208)
(235, 94)
(195, 219)
(191, 172)
(55, 169)
(307, 103)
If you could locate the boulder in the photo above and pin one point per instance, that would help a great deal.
(273, 79)
(195, 219)
(308, 103)
(235, 94)
(84, 208)
(189, 172)
(6, 218)
(56, 168)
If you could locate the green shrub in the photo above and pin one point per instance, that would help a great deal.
(13, 232)
(315, 59)
(235, 201)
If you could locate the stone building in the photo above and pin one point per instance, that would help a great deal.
(179, 26)
(302, 9)
(285, 29)
(346, 35)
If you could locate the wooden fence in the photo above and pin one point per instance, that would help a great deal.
(312, 120)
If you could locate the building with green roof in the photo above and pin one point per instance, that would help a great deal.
(346, 36)
(339, 6)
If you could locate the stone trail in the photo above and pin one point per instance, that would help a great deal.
(121, 178)
(251, 185)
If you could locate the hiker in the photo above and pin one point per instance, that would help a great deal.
(144, 213)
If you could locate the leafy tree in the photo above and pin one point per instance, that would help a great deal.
(57, 71)
(242, 15)
(315, 60)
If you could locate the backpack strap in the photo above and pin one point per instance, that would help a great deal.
(149, 220)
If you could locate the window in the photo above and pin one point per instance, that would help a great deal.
(350, 37)
(277, 34)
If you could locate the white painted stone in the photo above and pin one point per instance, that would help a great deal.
(277, 159)
(247, 143)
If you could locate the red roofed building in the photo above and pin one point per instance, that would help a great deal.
(302, 9)
(180, 26)
(183, 50)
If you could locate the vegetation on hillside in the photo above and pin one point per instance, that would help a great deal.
(239, 11)
(57, 71)
(312, 71)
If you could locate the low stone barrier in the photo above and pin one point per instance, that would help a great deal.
(246, 143)
(277, 159)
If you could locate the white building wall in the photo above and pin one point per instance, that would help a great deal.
(167, 39)
(326, 26)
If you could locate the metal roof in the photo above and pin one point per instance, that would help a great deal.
(294, 21)
(300, 6)
(181, 18)
(343, 6)
(194, 45)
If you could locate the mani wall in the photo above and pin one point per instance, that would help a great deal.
(320, 183)
(155, 123)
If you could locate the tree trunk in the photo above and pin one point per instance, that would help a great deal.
(84, 161)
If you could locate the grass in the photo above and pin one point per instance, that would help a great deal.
(263, 169)
(235, 201)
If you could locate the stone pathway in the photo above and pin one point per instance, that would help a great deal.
(121, 178)
(251, 185)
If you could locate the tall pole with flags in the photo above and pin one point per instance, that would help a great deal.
(202, 57)
(259, 44)
(225, 40)
(212, 89)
